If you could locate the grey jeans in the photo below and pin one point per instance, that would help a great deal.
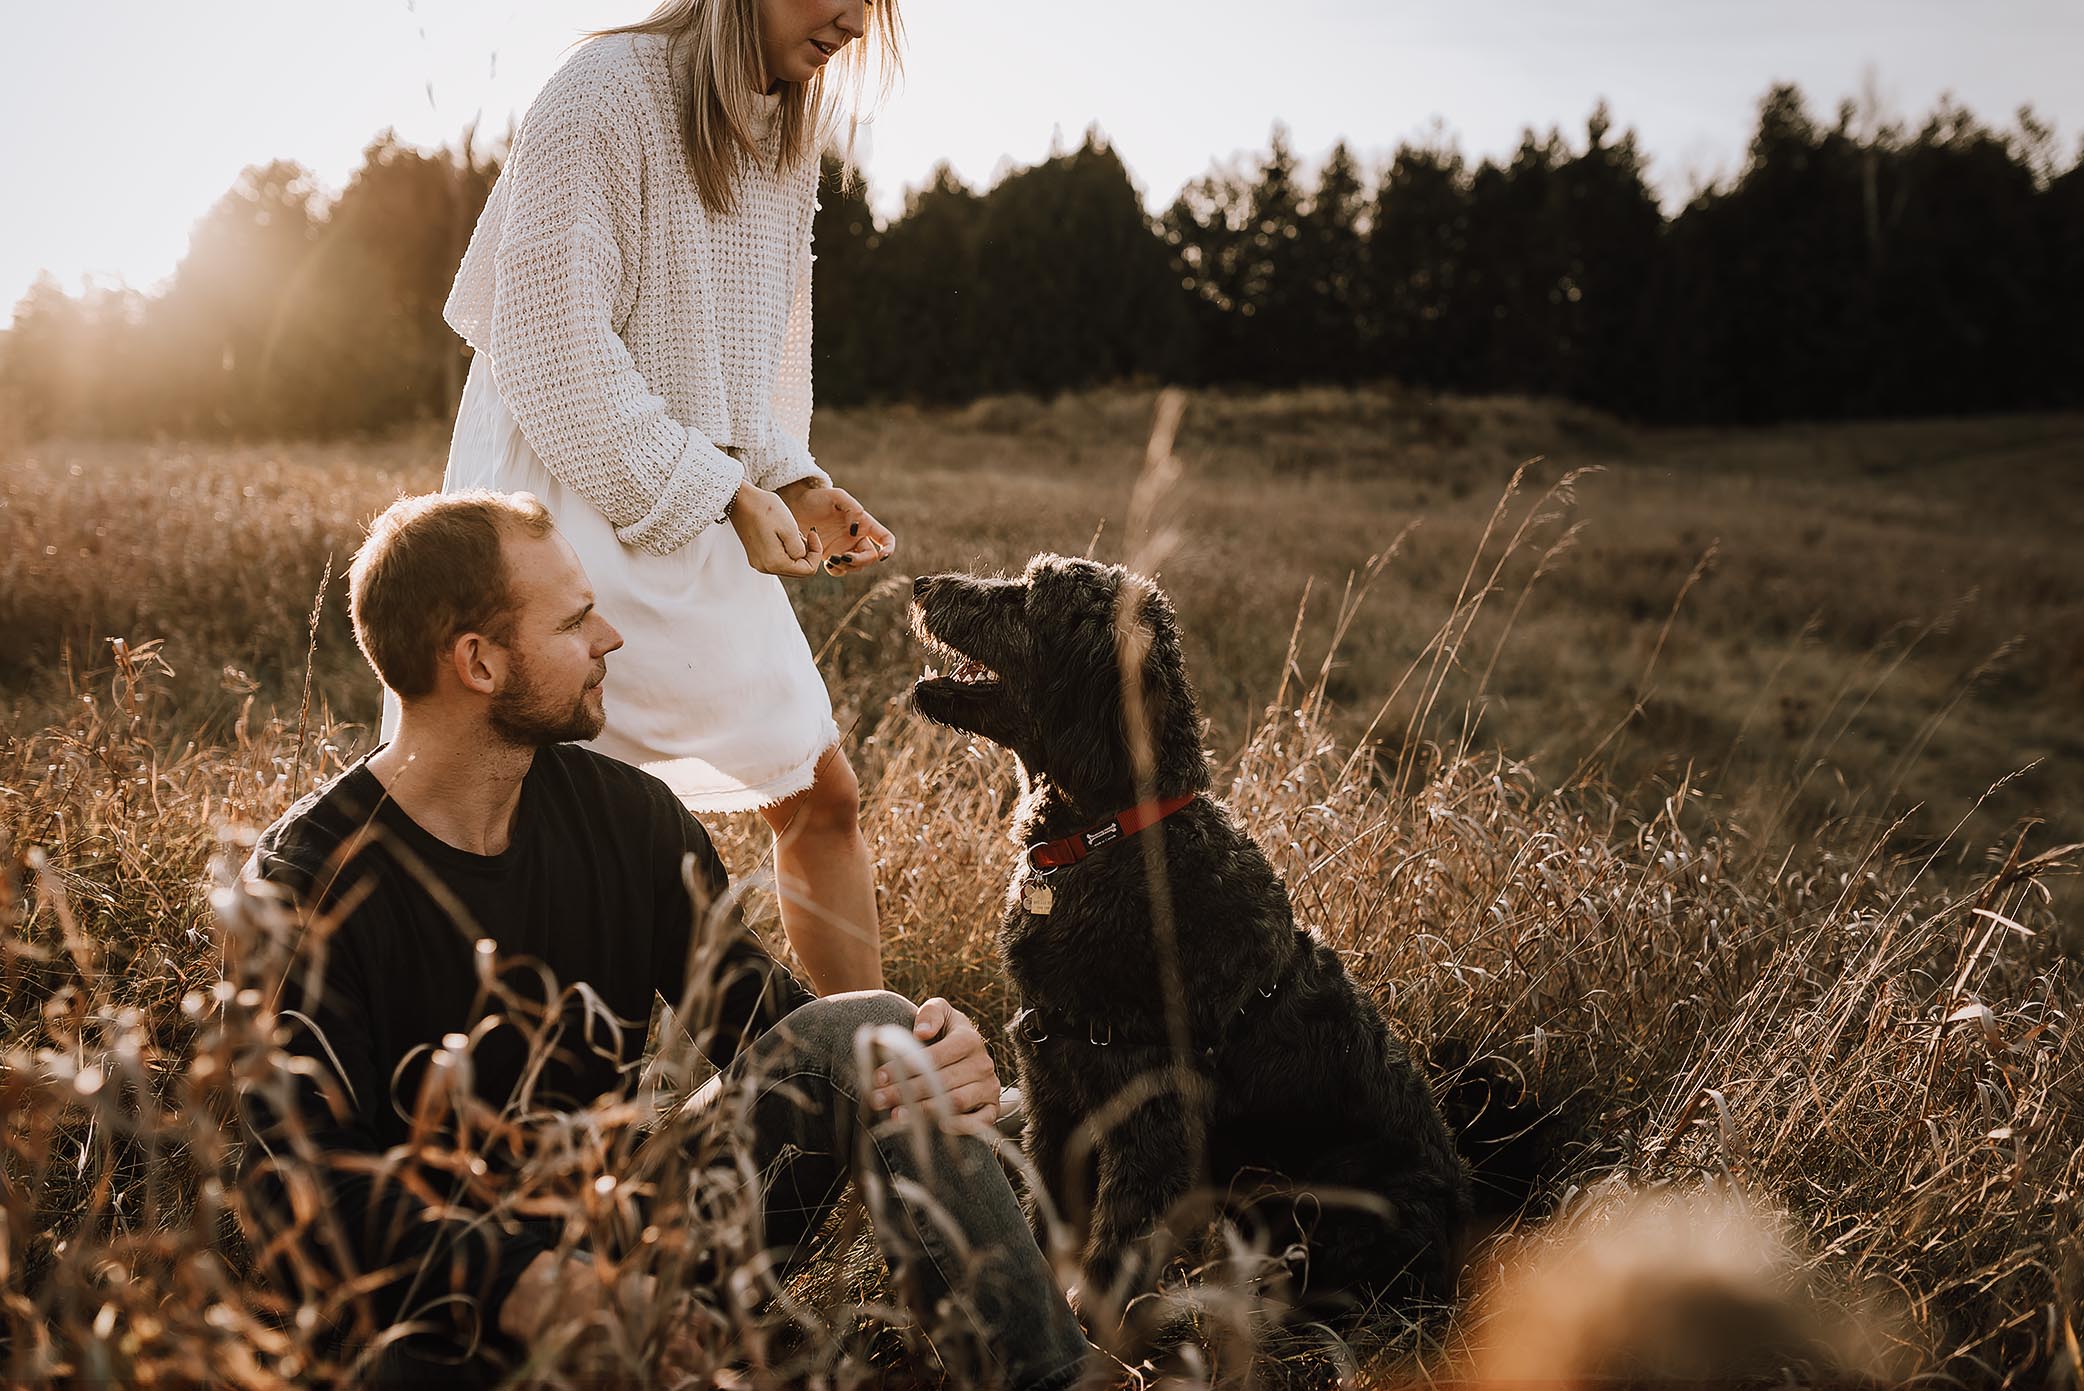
(944, 1213)
(783, 1125)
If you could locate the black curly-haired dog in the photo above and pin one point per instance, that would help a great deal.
(1292, 1085)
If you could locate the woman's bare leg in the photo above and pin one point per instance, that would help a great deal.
(828, 885)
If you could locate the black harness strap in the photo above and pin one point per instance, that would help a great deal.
(1038, 1023)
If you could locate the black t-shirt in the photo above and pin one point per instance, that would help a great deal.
(587, 900)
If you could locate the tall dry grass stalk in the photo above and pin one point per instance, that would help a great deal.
(1881, 1048)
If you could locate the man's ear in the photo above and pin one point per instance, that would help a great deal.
(479, 663)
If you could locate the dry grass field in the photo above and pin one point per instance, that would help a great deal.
(1887, 614)
(1696, 804)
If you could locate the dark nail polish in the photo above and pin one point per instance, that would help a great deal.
(854, 530)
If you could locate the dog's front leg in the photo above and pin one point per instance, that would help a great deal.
(1068, 1186)
(1148, 1161)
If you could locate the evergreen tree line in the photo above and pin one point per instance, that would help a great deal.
(1851, 268)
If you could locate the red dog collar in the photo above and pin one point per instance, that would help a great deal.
(1055, 854)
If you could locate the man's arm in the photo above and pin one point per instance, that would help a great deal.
(312, 1119)
(724, 987)
(722, 982)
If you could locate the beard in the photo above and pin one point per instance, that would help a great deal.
(525, 713)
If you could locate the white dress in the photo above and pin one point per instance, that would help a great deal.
(661, 355)
(714, 689)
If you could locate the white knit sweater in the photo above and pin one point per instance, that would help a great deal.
(635, 337)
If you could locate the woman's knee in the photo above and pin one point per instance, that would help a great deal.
(830, 804)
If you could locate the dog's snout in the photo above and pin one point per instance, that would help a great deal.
(923, 584)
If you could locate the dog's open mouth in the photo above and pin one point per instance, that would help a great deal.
(948, 669)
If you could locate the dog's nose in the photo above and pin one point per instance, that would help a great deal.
(921, 585)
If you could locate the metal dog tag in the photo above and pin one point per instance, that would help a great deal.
(1038, 899)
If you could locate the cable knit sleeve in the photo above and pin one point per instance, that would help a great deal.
(785, 455)
(570, 221)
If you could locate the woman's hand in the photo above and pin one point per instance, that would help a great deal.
(774, 543)
(853, 539)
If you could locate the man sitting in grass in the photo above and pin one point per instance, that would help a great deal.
(482, 835)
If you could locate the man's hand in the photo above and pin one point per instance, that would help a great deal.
(553, 1290)
(774, 543)
(683, 1359)
(957, 1053)
(854, 540)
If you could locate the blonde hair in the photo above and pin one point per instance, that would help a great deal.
(714, 50)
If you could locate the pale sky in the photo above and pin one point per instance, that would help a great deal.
(126, 119)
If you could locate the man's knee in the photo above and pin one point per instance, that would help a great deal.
(827, 1028)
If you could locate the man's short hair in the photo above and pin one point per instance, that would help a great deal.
(431, 570)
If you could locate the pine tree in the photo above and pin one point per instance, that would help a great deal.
(848, 299)
(1521, 266)
(1608, 229)
(1073, 284)
(1779, 264)
(1417, 253)
(2060, 342)
(1204, 232)
(234, 295)
(926, 272)
(1335, 323)
(369, 348)
(49, 361)
(1957, 301)
(1273, 297)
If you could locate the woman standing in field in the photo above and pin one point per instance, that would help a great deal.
(637, 293)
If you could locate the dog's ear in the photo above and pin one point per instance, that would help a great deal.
(1145, 646)
(1041, 561)
(1108, 702)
